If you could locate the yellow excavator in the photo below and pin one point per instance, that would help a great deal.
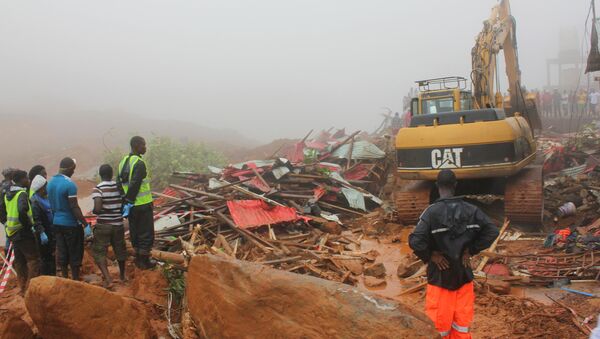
(486, 140)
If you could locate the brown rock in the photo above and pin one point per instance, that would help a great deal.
(331, 227)
(374, 282)
(62, 308)
(375, 270)
(235, 299)
(406, 267)
(13, 327)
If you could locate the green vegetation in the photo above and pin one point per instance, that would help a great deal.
(166, 155)
(176, 280)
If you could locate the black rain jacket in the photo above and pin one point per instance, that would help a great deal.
(450, 226)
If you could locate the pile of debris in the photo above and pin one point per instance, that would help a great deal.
(287, 211)
(572, 203)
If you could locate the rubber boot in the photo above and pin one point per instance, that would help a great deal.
(146, 262)
(75, 273)
(64, 270)
(106, 280)
(138, 260)
(122, 275)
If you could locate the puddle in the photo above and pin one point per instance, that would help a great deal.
(390, 254)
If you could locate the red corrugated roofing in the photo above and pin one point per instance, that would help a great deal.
(357, 173)
(296, 154)
(254, 213)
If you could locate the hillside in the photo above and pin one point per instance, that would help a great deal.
(29, 139)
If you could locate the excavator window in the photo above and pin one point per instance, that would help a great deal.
(466, 101)
(438, 105)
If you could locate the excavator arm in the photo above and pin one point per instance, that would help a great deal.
(499, 33)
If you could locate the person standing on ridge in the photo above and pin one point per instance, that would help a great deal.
(448, 233)
(108, 205)
(69, 224)
(43, 217)
(133, 179)
(16, 215)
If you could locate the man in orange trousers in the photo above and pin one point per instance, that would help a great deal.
(449, 232)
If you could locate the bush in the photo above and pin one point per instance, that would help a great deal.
(166, 156)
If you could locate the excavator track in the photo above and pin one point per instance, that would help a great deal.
(411, 198)
(524, 197)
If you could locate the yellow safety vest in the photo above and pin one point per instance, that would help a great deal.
(13, 224)
(144, 195)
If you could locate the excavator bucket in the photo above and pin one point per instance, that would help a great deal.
(524, 103)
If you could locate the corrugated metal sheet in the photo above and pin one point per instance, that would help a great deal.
(573, 171)
(280, 171)
(355, 198)
(255, 213)
(361, 150)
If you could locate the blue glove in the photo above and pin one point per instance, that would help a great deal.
(127, 209)
(87, 231)
(43, 238)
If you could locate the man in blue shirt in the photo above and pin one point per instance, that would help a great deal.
(68, 221)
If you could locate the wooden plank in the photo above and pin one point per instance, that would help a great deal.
(257, 196)
(413, 289)
(492, 248)
(199, 192)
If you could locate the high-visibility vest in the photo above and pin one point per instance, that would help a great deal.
(144, 195)
(13, 224)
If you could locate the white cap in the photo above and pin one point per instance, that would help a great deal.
(37, 183)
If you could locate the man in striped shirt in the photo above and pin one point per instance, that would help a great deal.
(108, 204)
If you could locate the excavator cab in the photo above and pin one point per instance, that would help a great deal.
(442, 95)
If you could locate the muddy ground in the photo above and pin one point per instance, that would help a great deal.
(527, 312)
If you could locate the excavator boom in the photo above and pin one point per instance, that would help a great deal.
(499, 33)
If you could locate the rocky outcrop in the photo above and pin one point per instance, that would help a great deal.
(62, 308)
(234, 299)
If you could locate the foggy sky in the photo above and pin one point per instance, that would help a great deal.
(267, 68)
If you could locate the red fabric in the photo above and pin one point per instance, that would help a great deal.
(447, 308)
(357, 173)
(561, 235)
(255, 213)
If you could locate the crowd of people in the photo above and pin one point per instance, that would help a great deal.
(46, 229)
(556, 103)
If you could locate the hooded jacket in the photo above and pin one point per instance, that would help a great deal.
(450, 226)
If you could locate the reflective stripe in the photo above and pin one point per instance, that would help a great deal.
(143, 194)
(473, 226)
(461, 329)
(12, 219)
(439, 230)
(445, 333)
